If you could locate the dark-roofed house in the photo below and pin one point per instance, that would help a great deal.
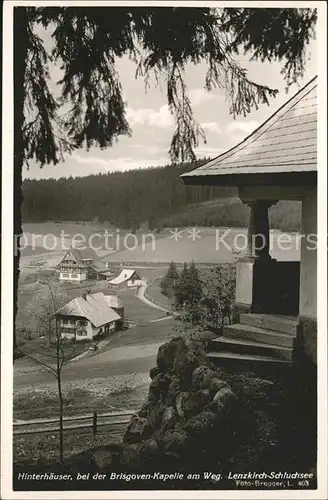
(276, 300)
(80, 264)
(89, 316)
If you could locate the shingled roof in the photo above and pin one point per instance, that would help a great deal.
(94, 307)
(286, 143)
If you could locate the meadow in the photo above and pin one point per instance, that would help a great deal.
(201, 244)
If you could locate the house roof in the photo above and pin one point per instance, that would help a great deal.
(124, 275)
(285, 143)
(114, 301)
(100, 268)
(106, 272)
(94, 307)
(81, 254)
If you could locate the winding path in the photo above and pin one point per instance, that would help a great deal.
(141, 295)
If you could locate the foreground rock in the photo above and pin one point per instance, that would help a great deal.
(186, 417)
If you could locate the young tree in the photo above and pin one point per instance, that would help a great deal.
(219, 297)
(212, 305)
(56, 352)
(180, 290)
(169, 281)
(194, 285)
(189, 293)
(86, 106)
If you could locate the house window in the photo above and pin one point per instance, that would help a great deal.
(81, 332)
(68, 331)
(71, 321)
(64, 321)
(82, 322)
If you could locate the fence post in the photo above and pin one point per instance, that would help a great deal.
(94, 424)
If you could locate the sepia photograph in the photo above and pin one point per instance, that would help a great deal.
(164, 241)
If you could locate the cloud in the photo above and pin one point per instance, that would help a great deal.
(147, 149)
(211, 127)
(208, 151)
(148, 116)
(89, 159)
(199, 96)
(241, 127)
(163, 118)
(120, 164)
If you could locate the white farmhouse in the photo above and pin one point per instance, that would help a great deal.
(129, 276)
(89, 316)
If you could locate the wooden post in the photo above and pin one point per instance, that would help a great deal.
(94, 424)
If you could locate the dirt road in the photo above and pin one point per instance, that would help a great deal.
(141, 295)
(135, 359)
(132, 351)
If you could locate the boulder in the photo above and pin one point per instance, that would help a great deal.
(202, 377)
(166, 354)
(148, 449)
(195, 402)
(187, 359)
(144, 410)
(173, 390)
(225, 399)
(176, 443)
(218, 407)
(155, 416)
(154, 371)
(137, 430)
(179, 400)
(201, 424)
(104, 459)
(216, 384)
(158, 387)
(130, 455)
(159, 436)
(204, 338)
(169, 418)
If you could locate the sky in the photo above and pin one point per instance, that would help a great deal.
(153, 126)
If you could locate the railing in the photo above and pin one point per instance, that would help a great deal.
(91, 420)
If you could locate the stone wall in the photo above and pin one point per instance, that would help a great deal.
(186, 418)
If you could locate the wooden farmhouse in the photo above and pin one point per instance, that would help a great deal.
(276, 300)
(81, 264)
(90, 316)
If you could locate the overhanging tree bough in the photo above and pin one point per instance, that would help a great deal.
(162, 41)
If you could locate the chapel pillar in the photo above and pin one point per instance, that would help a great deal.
(255, 284)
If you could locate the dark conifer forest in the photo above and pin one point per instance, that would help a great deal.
(154, 196)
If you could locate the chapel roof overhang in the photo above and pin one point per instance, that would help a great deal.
(283, 150)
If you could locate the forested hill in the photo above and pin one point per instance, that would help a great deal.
(155, 196)
(125, 199)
